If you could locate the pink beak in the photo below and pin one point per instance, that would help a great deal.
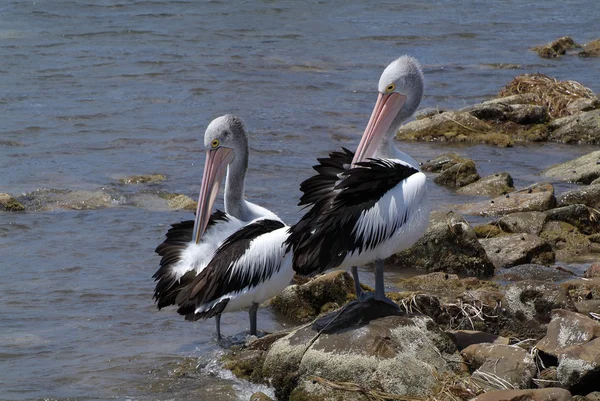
(214, 171)
(386, 109)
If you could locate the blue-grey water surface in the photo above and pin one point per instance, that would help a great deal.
(91, 91)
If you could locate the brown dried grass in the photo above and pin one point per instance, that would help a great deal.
(547, 91)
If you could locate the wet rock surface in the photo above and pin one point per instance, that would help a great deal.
(582, 170)
(523, 222)
(556, 48)
(458, 175)
(143, 179)
(588, 195)
(591, 49)
(448, 245)
(492, 185)
(51, 199)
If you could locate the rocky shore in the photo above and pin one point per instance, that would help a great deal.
(494, 316)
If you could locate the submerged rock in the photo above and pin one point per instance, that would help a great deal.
(458, 175)
(325, 293)
(556, 48)
(591, 49)
(399, 355)
(449, 245)
(579, 128)
(179, 201)
(50, 199)
(538, 197)
(499, 366)
(9, 203)
(582, 170)
(543, 394)
(143, 179)
(492, 185)
(515, 249)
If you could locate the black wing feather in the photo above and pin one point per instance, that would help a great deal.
(177, 240)
(214, 281)
(338, 195)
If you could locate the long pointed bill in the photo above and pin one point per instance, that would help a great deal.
(386, 109)
(214, 171)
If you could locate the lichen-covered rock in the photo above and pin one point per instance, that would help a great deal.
(9, 203)
(492, 185)
(575, 340)
(578, 215)
(579, 128)
(395, 354)
(453, 127)
(579, 289)
(582, 170)
(591, 49)
(515, 249)
(143, 179)
(556, 48)
(566, 240)
(518, 113)
(542, 394)
(532, 302)
(536, 198)
(588, 195)
(443, 162)
(465, 338)
(448, 245)
(523, 222)
(500, 365)
(303, 303)
(459, 175)
(583, 104)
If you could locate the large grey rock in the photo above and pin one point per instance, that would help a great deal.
(448, 245)
(395, 354)
(492, 185)
(588, 195)
(515, 249)
(542, 394)
(579, 128)
(537, 198)
(582, 170)
(500, 366)
(523, 222)
(575, 340)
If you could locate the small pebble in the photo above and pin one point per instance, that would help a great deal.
(507, 195)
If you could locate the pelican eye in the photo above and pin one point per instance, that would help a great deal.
(214, 143)
(390, 88)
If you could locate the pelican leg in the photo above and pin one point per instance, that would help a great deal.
(218, 322)
(357, 288)
(380, 285)
(252, 312)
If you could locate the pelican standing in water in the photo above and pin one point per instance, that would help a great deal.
(368, 205)
(190, 245)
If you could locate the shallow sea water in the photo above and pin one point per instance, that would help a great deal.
(95, 90)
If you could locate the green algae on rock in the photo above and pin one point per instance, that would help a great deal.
(10, 204)
(143, 179)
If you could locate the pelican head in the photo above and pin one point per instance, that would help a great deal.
(225, 137)
(400, 92)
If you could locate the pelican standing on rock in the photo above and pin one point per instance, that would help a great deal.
(368, 205)
(190, 245)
